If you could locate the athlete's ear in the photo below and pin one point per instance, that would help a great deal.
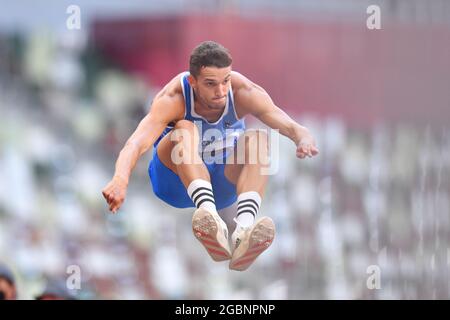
(192, 80)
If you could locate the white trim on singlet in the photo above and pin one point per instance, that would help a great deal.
(184, 93)
(234, 105)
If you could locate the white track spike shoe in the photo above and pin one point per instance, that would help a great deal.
(249, 243)
(212, 232)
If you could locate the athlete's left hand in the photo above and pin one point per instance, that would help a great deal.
(307, 147)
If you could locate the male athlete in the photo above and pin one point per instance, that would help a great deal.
(196, 124)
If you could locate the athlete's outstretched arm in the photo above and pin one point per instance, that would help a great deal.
(165, 108)
(256, 101)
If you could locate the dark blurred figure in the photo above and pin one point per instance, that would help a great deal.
(7, 284)
(56, 289)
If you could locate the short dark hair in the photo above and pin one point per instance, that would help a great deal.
(207, 54)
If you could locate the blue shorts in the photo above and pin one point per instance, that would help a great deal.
(168, 186)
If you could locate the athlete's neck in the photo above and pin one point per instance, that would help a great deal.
(202, 109)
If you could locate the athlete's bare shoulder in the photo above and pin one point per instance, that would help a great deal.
(239, 81)
(244, 91)
(172, 89)
(170, 99)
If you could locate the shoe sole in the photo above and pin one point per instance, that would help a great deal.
(209, 232)
(260, 238)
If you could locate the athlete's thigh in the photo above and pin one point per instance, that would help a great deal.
(233, 169)
(164, 150)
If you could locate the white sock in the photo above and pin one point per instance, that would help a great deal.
(248, 207)
(200, 191)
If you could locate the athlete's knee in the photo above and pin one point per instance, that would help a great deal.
(186, 125)
(185, 130)
(255, 146)
(256, 139)
(185, 139)
(259, 134)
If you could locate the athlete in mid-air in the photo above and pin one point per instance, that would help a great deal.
(204, 157)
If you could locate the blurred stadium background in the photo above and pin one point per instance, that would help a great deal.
(378, 102)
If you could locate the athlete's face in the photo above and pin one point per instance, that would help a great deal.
(212, 86)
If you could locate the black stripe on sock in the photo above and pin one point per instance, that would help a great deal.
(249, 200)
(198, 189)
(250, 205)
(201, 195)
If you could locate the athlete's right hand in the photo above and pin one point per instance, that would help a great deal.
(115, 192)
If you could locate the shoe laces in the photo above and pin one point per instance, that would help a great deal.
(238, 232)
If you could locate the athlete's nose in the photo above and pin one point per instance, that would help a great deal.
(222, 91)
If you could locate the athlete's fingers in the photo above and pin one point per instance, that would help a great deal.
(105, 194)
(314, 150)
(306, 148)
(110, 201)
(301, 155)
(113, 207)
(304, 151)
(108, 193)
(114, 200)
(116, 206)
(110, 197)
(117, 202)
(114, 194)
